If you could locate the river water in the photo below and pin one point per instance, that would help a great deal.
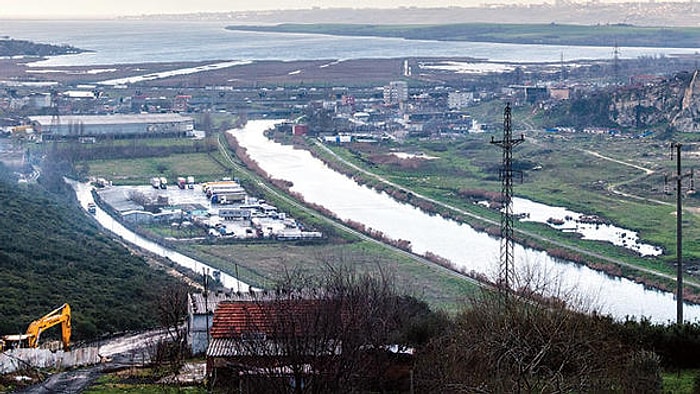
(123, 41)
(118, 42)
(84, 194)
(466, 248)
(566, 220)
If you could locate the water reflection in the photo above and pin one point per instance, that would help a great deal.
(589, 226)
(468, 249)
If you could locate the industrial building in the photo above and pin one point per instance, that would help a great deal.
(117, 125)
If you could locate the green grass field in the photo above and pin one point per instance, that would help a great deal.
(264, 263)
(140, 170)
(584, 173)
(550, 34)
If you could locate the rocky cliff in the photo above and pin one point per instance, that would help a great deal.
(655, 102)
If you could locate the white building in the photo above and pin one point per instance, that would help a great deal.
(396, 92)
(144, 125)
(457, 100)
(200, 316)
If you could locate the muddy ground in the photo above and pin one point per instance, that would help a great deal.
(358, 72)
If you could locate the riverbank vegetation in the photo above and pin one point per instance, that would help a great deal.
(646, 348)
(583, 172)
(260, 263)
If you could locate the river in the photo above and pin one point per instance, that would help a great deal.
(83, 192)
(122, 41)
(466, 248)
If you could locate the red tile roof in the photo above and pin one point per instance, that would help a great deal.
(272, 318)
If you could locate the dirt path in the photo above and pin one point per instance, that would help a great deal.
(613, 188)
(520, 231)
(69, 382)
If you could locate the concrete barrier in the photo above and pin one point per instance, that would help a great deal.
(17, 359)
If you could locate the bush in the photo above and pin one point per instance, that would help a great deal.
(512, 345)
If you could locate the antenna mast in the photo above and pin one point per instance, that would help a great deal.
(616, 63)
(506, 271)
(55, 114)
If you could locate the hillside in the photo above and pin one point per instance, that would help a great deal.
(11, 47)
(658, 103)
(51, 253)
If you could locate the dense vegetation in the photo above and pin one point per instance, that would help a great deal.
(9, 47)
(548, 34)
(51, 253)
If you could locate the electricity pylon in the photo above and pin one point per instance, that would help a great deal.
(506, 269)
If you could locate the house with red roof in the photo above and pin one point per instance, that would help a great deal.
(262, 345)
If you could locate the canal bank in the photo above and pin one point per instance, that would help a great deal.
(83, 192)
(470, 250)
(588, 227)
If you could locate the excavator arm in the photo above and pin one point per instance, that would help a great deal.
(60, 315)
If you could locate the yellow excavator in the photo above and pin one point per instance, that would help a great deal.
(60, 315)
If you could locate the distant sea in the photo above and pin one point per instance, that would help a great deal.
(121, 41)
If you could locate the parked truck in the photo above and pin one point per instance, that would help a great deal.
(163, 183)
(181, 182)
(155, 182)
(228, 197)
(190, 182)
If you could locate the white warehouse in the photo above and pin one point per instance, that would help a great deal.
(119, 125)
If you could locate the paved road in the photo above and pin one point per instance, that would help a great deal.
(118, 353)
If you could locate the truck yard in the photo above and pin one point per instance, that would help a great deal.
(219, 209)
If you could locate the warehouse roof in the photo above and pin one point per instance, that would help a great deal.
(114, 119)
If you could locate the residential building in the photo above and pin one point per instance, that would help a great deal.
(396, 92)
(458, 100)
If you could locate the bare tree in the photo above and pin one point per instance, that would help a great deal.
(528, 346)
(171, 309)
(320, 336)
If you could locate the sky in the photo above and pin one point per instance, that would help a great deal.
(111, 8)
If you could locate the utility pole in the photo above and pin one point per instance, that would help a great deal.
(506, 271)
(679, 230)
(616, 63)
(54, 127)
(205, 279)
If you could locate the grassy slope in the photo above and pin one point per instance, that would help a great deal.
(51, 253)
(552, 34)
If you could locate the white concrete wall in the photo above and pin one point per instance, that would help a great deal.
(16, 359)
